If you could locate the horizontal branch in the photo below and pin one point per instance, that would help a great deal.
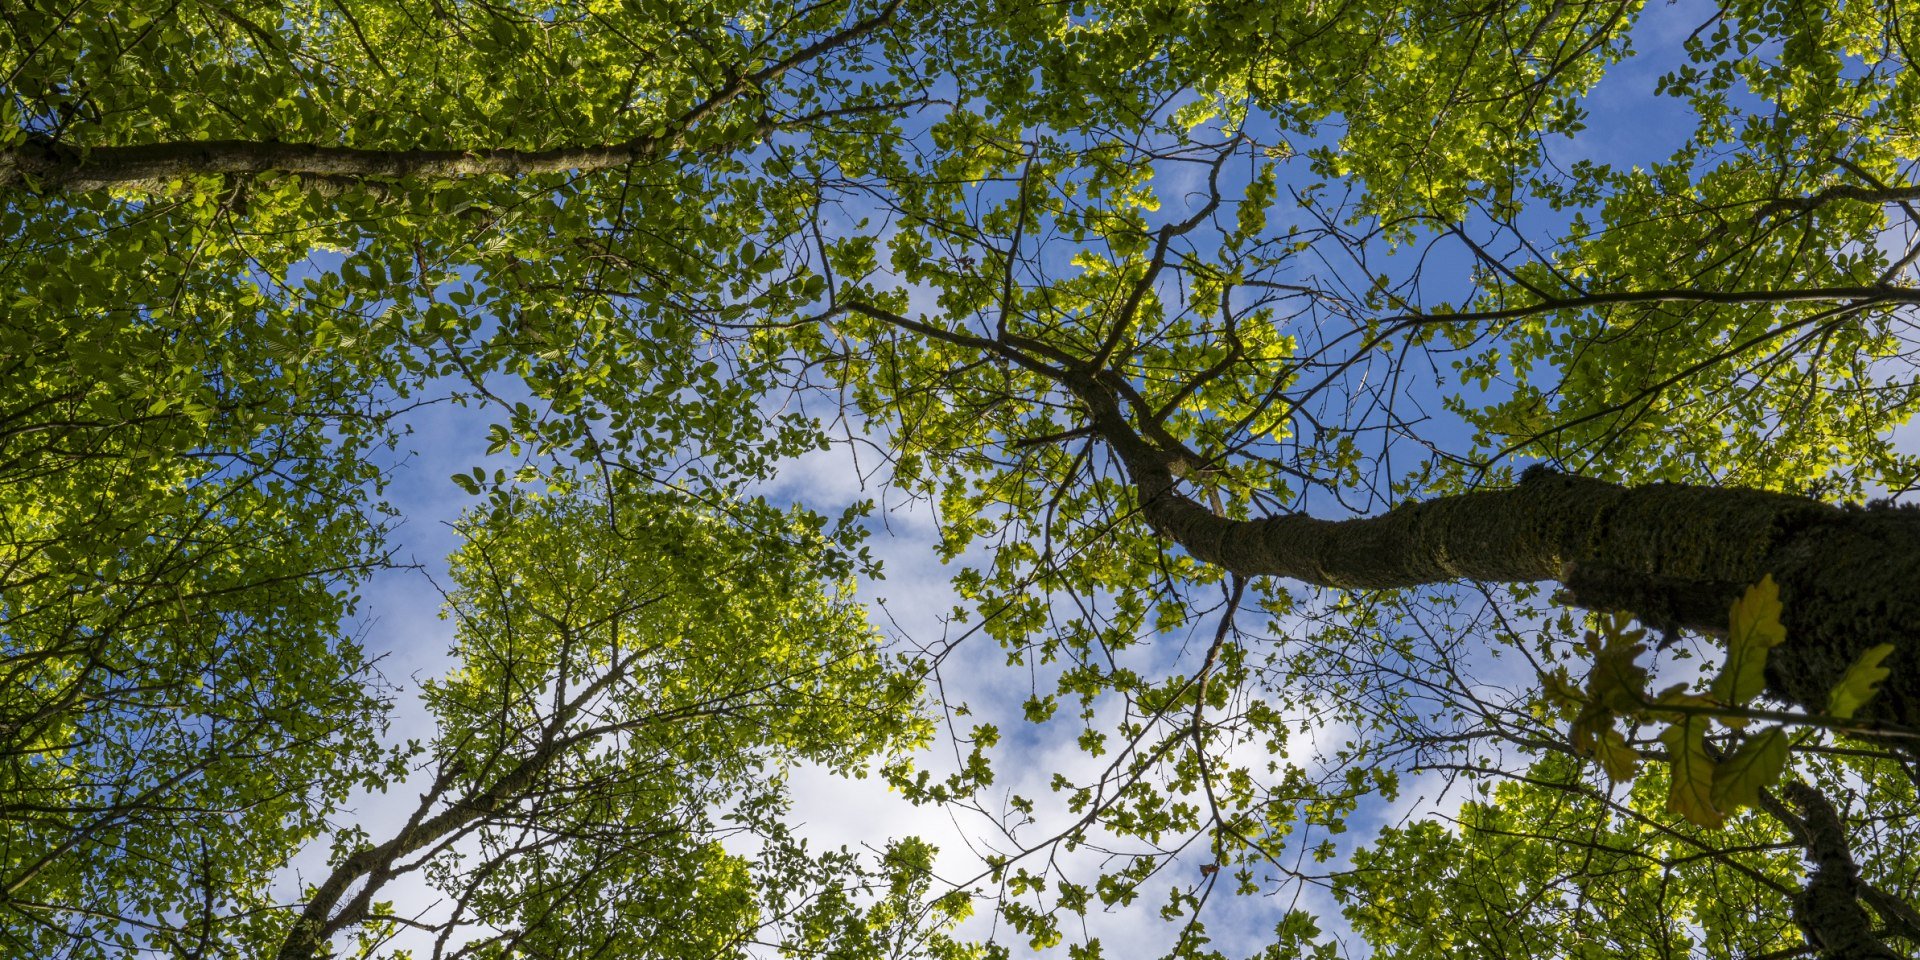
(1872, 295)
(61, 168)
(54, 167)
(1895, 193)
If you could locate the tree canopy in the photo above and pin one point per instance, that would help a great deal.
(1321, 404)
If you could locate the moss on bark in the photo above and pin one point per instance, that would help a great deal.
(1674, 556)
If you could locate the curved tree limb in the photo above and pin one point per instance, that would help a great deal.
(1672, 555)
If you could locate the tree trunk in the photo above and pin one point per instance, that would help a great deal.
(1672, 555)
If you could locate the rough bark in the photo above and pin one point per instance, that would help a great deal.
(61, 168)
(1829, 909)
(1674, 556)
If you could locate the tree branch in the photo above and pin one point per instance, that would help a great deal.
(1672, 555)
(1828, 909)
(51, 166)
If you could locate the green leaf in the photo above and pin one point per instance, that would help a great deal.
(1860, 683)
(1615, 756)
(1617, 681)
(1754, 628)
(1691, 792)
(1739, 778)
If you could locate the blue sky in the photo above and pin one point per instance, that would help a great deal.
(400, 610)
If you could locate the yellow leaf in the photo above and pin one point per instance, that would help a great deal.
(1616, 681)
(1593, 718)
(1615, 756)
(1691, 793)
(1738, 779)
(1754, 629)
(1860, 684)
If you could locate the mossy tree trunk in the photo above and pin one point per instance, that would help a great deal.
(1672, 555)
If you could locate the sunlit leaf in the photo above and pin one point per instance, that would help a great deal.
(1861, 682)
(1755, 765)
(1692, 772)
(1754, 629)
